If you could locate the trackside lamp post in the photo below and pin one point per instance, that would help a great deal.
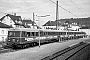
(39, 27)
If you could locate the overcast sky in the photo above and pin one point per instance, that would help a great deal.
(25, 8)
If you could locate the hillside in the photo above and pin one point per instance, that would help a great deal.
(80, 21)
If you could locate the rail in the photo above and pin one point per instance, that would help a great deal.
(66, 53)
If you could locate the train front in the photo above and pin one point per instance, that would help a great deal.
(15, 38)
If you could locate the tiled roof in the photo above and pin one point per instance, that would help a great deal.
(14, 18)
(2, 18)
(52, 23)
(4, 25)
(84, 28)
(27, 21)
(18, 18)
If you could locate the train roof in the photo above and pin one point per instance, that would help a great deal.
(36, 30)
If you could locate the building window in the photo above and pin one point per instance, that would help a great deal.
(3, 39)
(10, 20)
(7, 17)
(17, 25)
(2, 31)
(11, 25)
(6, 32)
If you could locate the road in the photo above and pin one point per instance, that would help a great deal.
(36, 53)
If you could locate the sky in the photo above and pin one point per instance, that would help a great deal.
(25, 9)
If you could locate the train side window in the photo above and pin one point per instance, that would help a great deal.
(44, 33)
(28, 34)
(51, 33)
(36, 33)
(24, 34)
(32, 33)
(10, 33)
(41, 33)
(59, 33)
(47, 33)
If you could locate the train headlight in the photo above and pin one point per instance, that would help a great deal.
(25, 38)
(17, 40)
(8, 40)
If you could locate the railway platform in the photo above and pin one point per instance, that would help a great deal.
(37, 53)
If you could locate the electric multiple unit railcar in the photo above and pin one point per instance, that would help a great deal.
(24, 37)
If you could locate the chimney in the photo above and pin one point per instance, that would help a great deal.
(14, 14)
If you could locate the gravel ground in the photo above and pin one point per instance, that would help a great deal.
(36, 53)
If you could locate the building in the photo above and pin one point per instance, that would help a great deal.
(70, 24)
(85, 29)
(52, 25)
(12, 20)
(4, 31)
(64, 25)
(29, 23)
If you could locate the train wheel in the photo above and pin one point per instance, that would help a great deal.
(27, 45)
(33, 43)
(22, 46)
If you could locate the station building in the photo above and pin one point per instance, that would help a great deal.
(61, 25)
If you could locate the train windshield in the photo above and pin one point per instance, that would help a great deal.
(13, 33)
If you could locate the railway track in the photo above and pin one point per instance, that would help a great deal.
(5, 50)
(66, 53)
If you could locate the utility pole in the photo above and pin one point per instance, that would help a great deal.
(33, 20)
(57, 14)
(39, 28)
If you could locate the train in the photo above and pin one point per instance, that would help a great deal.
(25, 37)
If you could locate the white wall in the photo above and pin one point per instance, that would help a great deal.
(7, 20)
(3, 34)
(49, 27)
(86, 30)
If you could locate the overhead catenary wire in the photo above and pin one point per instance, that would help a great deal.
(77, 6)
(64, 9)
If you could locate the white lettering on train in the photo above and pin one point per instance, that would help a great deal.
(29, 39)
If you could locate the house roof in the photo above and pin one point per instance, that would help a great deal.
(53, 23)
(2, 18)
(84, 28)
(18, 18)
(20, 25)
(27, 21)
(2, 25)
(13, 17)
